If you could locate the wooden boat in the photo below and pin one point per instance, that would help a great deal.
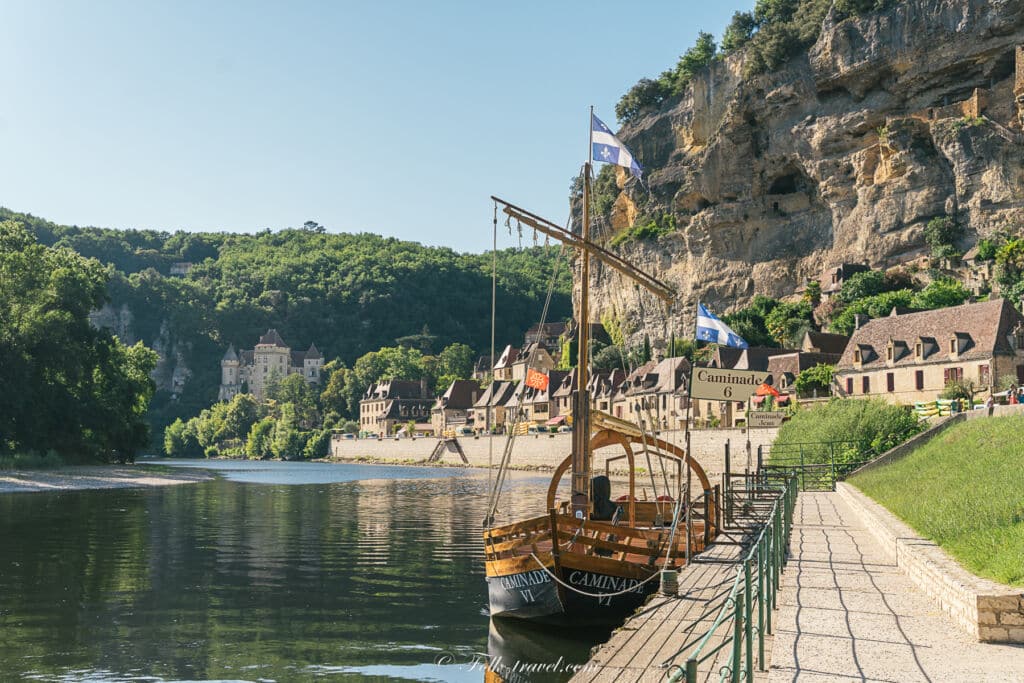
(573, 561)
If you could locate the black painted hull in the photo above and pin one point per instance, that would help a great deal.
(535, 596)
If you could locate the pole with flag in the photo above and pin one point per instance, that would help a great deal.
(710, 328)
(604, 146)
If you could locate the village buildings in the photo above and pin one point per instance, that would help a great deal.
(389, 406)
(454, 408)
(251, 370)
(911, 357)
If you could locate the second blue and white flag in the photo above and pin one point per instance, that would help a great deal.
(609, 149)
(711, 329)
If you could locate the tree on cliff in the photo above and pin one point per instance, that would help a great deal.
(71, 388)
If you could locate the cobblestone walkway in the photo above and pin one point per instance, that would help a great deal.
(847, 613)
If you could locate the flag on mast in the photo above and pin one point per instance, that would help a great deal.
(607, 148)
(711, 329)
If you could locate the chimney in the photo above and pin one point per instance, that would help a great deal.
(859, 320)
(423, 388)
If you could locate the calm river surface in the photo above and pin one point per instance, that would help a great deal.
(274, 572)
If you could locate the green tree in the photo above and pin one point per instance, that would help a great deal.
(1010, 262)
(750, 324)
(872, 307)
(608, 358)
(987, 250)
(295, 391)
(817, 378)
(240, 415)
(738, 32)
(941, 234)
(862, 285)
(288, 442)
(940, 293)
(454, 362)
(787, 323)
(260, 444)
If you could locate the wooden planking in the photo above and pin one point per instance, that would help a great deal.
(636, 651)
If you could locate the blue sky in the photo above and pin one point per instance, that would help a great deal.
(399, 118)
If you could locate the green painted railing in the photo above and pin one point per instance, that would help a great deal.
(746, 615)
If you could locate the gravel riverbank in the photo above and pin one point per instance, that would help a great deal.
(97, 477)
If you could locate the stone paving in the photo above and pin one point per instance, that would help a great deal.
(847, 613)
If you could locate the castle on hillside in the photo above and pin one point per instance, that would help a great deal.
(249, 371)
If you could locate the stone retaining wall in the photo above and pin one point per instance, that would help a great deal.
(546, 451)
(987, 610)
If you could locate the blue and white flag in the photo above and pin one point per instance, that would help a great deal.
(609, 149)
(711, 329)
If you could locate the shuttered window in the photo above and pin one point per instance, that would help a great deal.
(919, 380)
(849, 386)
(865, 385)
(890, 382)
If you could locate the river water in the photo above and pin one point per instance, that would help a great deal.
(273, 572)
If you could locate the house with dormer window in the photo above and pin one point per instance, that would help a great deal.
(909, 357)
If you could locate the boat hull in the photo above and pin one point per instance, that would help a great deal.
(587, 596)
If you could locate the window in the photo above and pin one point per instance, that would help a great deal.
(919, 380)
(918, 350)
(1019, 334)
(856, 356)
(865, 385)
(890, 382)
(952, 375)
(952, 345)
(889, 353)
(849, 386)
(984, 375)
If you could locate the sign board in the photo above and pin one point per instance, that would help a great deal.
(726, 385)
(765, 418)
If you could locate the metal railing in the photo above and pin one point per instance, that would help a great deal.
(745, 616)
(818, 465)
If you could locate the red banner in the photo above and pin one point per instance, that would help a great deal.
(536, 380)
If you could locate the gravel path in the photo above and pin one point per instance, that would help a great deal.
(96, 477)
(847, 613)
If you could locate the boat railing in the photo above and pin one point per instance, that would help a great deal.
(745, 616)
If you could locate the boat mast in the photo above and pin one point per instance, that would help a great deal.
(581, 401)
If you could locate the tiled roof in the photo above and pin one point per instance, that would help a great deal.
(507, 357)
(298, 357)
(313, 353)
(982, 329)
(798, 361)
(230, 354)
(396, 388)
(825, 342)
(273, 339)
(496, 394)
(460, 395)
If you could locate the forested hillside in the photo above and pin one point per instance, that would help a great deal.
(349, 294)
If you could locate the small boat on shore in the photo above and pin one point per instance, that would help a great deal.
(584, 558)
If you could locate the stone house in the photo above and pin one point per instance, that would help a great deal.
(250, 370)
(816, 348)
(913, 356)
(537, 404)
(978, 276)
(503, 368)
(655, 394)
(535, 356)
(547, 335)
(389, 405)
(454, 408)
(495, 397)
(832, 280)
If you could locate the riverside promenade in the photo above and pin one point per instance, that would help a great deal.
(848, 613)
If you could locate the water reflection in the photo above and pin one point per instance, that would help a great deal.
(367, 578)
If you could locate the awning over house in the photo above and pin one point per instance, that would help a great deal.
(555, 420)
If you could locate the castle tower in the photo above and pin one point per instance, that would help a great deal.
(271, 356)
(311, 365)
(230, 382)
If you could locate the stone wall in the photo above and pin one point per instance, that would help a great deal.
(986, 610)
(546, 451)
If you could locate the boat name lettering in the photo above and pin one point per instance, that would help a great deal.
(515, 581)
(608, 583)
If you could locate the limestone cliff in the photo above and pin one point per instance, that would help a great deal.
(842, 156)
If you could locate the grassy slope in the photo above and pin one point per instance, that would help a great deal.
(965, 491)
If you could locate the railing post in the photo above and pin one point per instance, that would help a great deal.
(769, 572)
(728, 485)
(718, 509)
(832, 451)
(691, 670)
(803, 482)
(747, 623)
(760, 602)
(737, 637)
(707, 517)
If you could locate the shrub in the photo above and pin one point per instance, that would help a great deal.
(940, 293)
(941, 234)
(986, 250)
(872, 426)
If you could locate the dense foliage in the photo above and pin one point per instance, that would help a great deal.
(347, 293)
(865, 426)
(68, 387)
